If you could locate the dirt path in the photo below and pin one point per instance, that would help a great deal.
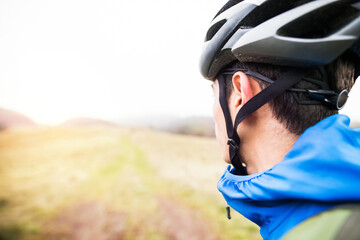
(86, 221)
(181, 223)
(90, 221)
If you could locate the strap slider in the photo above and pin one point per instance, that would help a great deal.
(233, 144)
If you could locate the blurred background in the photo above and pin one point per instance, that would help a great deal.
(105, 122)
(113, 60)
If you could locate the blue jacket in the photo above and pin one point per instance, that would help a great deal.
(322, 170)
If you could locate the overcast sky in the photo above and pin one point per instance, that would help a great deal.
(105, 59)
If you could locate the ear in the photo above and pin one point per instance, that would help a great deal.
(242, 89)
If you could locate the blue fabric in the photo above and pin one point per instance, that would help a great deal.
(321, 171)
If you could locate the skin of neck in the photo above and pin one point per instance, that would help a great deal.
(264, 140)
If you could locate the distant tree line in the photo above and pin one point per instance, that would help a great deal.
(193, 126)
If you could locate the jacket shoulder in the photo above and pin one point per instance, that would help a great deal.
(337, 223)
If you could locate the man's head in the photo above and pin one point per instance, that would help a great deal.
(298, 117)
(314, 44)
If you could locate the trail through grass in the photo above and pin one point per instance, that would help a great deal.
(112, 183)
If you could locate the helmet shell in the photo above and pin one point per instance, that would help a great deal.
(300, 33)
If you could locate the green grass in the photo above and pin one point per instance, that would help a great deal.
(112, 183)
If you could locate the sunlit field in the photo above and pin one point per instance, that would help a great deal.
(112, 183)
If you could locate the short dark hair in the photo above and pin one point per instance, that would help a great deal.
(297, 117)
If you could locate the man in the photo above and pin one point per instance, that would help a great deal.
(281, 71)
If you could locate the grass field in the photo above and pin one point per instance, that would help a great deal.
(112, 183)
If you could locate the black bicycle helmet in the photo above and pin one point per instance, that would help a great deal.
(300, 33)
(304, 34)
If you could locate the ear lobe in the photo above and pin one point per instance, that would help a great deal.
(242, 88)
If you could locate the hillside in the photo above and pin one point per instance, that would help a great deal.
(86, 122)
(197, 126)
(10, 119)
(113, 183)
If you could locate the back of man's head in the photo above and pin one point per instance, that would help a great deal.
(304, 53)
(298, 117)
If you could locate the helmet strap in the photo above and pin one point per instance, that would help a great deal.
(233, 146)
(285, 81)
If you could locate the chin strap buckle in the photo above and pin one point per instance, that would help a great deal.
(233, 144)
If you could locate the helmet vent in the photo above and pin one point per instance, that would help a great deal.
(228, 5)
(214, 29)
(268, 10)
(357, 5)
(321, 22)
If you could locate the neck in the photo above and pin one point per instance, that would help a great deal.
(265, 144)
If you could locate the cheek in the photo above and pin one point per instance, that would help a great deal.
(220, 128)
(217, 117)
